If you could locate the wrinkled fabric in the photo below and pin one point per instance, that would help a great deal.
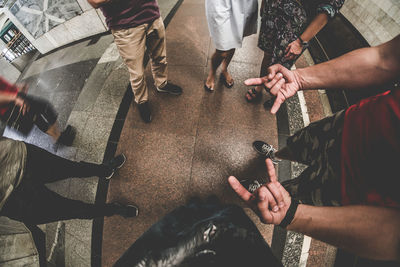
(201, 234)
(124, 14)
(229, 21)
(12, 166)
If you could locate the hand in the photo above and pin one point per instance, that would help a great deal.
(280, 82)
(270, 202)
(23, 106)
(23, 88)
(293, 49)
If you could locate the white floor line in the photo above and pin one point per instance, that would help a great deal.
(303, 107)
(53, 246)
(304, 251)
(307, 240)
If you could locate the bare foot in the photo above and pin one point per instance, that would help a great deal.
(228, 79)
(210, 82)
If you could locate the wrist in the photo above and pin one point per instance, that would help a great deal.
(290, 213)
(302, 42)
(298, 78)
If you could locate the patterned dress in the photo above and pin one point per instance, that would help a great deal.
(283, 21)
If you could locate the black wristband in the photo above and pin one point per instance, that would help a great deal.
(290, 214)
(302, 42)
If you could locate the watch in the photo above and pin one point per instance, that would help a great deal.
(303, 43)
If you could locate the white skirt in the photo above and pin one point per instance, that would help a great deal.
(229, 21)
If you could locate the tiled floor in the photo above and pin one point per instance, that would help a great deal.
(194, 142)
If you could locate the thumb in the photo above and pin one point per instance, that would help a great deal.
(239, 189)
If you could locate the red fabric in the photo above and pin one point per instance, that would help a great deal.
(371, 151)
(130, 13)
(6, 88)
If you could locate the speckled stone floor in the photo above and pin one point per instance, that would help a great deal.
(195, 140)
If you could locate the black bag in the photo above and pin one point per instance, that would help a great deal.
(201, 234)
(16, 120)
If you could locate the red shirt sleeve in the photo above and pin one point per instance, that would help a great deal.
(6, 88)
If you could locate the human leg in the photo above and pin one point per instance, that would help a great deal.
(45, 167)
(225, 75)
(35, 204)
(131, 45)
(156, 45)
(219, 57)
(216, 60)
(254, 93)
(318, 146)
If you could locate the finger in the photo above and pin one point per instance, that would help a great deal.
(272, 70)
(277, 86)
(271, 170)
(254, 81)
(276, 193)
(274, 80)
(277, 104)
(240, 190)
(265, 204)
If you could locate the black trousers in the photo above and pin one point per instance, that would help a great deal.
(33, 203)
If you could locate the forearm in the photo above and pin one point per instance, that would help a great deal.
(357, 69)
(314, 27)
(367, 231)
(7, 98)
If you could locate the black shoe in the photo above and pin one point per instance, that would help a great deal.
(266, 150)
(114, 164)
(171, 89)
(251, 185)
(269, 103)
(126, 211)
(145, 112)
(67, 136)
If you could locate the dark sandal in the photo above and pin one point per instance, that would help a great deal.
(223, 80)
(253, 94)
(209, 89)
(269, 103)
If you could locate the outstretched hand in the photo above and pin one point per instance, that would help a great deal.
(280, 82)
(270, 202)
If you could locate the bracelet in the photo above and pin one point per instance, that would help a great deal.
(303, 43)
(290, 213)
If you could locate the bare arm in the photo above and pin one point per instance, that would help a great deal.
(367, 231)
(295, 48)
(360, 68)
(7, 98)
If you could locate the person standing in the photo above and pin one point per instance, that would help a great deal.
(229, 21)
(286, 28)
(138, 29)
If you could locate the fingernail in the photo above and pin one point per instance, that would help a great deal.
(275, 209)
(281, 204)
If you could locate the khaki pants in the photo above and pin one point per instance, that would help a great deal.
(132, 44)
